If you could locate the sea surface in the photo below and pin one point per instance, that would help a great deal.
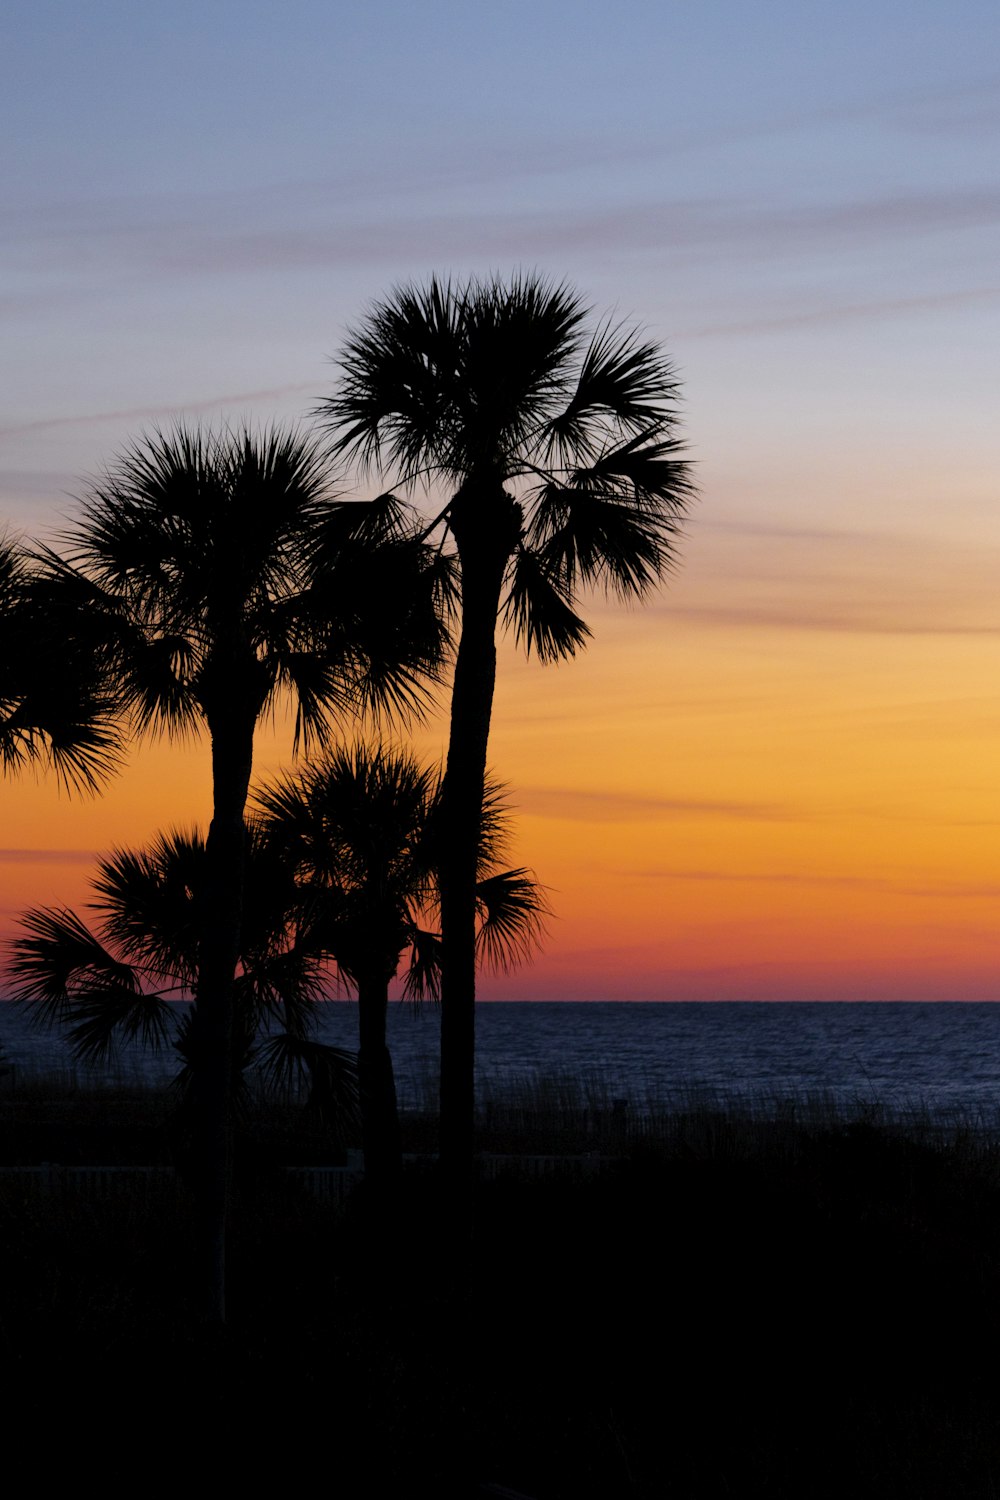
(898, 1056)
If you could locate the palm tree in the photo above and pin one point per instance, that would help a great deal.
(54, 705)
(361, 828)
(224, 577)
(114, 982)
(560, 462)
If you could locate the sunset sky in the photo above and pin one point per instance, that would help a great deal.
(781, 778)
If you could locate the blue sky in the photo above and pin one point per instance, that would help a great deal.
(802, 200)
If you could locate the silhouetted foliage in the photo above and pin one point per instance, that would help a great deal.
(559, 455)
(220, 574)
(55, 704)
(361, 828)
(113, 982)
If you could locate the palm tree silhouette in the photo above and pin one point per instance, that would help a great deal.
(54, 704)
(561, 467)
(113, 982)
(362, 830)
(223, 577)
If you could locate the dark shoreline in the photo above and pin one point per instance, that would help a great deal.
(739, 1306)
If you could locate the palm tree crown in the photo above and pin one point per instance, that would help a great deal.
(494, 385)
(113, 981)
(361, 828)
(227, 573)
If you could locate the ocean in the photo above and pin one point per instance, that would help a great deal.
(900, 1056)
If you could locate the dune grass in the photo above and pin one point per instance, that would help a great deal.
(760, 1298)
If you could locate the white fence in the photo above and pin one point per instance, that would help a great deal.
(326, 1184)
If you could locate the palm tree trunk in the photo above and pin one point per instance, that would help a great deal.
(380, 1137)
(485, 530)
(218, 956)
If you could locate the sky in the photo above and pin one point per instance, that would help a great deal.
(779, 778)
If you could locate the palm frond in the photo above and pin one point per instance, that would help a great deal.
(148, 904)
(495, 831)
(347, 525)
(624, 384)
(158, 676)
(538, 607)
(283, 986)
(646, 467)
(61, 968)
(64, 730)
(616, 522)
(57, 957)
(285, 1063)
(512, 908)
(422, 979)
(399, 369)
(58, 700)
(100, 1020)
(378, 620)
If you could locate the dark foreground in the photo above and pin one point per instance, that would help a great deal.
(733, 1308)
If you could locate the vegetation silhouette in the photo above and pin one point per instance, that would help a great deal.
(54, 705)
(559, 454)
(113, 981)
(361, 829)
(222, 576)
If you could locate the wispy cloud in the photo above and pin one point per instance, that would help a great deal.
(780, 531)
(949, 891)
(769, 877)
(849, 616)
(619, 807)
(45, 482)
(152, 413)
(973, 109)
(791, 577)
(47, 856)
(830, 312)
(234, 235)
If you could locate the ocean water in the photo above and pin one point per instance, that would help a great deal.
(941, 1057)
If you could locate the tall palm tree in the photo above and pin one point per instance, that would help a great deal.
(114, 981)
(558, 457)
(361, 828)
(54, 703)
(225, 577)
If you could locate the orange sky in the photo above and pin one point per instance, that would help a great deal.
(776, 780)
